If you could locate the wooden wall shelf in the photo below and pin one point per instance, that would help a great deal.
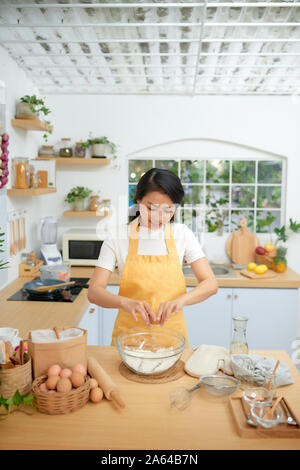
(77, 161)
(30, 191)
(30, 124)
(84, 214)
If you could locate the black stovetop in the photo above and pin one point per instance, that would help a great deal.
(69, 294)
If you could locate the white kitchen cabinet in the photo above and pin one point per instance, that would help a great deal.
(272, 316)
(210, 321)
(107, 319)
(91, 322)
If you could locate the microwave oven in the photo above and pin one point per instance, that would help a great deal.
(81, 247)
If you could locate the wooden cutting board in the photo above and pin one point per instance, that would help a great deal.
(241, 244)
(252, 275)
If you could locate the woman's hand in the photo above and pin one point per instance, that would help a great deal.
(139, 306)
(167, 308)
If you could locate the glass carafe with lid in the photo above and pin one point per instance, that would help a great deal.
(239, 343)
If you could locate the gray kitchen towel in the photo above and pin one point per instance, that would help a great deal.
(258, 370)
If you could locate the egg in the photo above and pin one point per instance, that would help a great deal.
(54, 370)
(93, 383)
(77, 379)
(43, 387)
(64, 385)
(51, 382)
(66, 373)
(96, 394)
(79, 368)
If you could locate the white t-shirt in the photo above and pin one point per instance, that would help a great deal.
(114, 249)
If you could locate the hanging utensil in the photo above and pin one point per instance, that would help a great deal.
(14, 245)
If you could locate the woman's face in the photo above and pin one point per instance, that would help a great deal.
(156, 209)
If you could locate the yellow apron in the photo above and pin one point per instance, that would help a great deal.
(153, 278)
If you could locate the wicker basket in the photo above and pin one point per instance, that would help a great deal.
(60, 403)
(16, 378)
(264, 259)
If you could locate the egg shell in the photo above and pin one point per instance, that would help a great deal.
(96, 394)
(64, 385)
(43, 387)
(79, 368)
(77, 379)
(54, 370)
(93, 383)
(66, 373)
(51, 382)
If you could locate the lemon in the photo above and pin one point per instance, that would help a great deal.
(259, 269)
(251, 266)
(265, 267)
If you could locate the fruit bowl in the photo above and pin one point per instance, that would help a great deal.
(150, 351)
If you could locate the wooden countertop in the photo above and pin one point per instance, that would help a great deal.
(288, 280)
(147, 422)
(28, 316)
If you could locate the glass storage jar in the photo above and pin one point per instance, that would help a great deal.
(79, 150)
(20, 172)
(65, 148)
(47, 151)
(106, 206)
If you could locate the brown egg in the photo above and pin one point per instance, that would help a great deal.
(93, 383)
(51, 382)
(54, 370)
(77, 379)
(66, 373)
(43, 387)
(96, 394)
(79, 368)
(64, 385)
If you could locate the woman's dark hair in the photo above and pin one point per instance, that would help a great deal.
(157, 179)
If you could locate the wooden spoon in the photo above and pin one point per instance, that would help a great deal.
(268, 387)
(54, 286)
(270, 413)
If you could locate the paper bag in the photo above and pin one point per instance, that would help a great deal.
(66, 352)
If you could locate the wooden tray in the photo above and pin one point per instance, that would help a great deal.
(253, 275)
(245, 430)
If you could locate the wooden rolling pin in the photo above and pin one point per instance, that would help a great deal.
(105, 382)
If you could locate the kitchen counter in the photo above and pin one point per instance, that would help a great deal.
(147, 422)
(28, 316)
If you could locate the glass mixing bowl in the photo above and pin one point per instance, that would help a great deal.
(150, 351)
(258, 412)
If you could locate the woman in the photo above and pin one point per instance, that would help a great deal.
(149, 252)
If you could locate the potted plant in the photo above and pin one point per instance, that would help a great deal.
(77, 196)
(31, 107)
(99, 146)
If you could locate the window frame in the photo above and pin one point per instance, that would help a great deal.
(230, 184)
